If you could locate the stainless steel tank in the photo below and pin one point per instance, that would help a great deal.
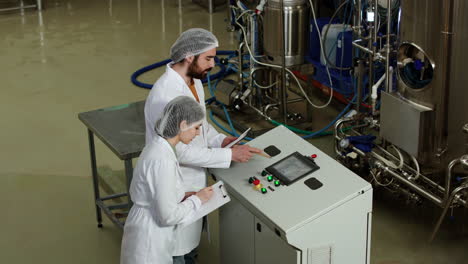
(432, 75)
(296, 24)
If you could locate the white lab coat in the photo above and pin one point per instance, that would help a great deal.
(156, 192)
(203, 152)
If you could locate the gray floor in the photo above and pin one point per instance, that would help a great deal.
(77, 55)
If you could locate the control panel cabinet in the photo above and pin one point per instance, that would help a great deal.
(246, 239)
(299, 206)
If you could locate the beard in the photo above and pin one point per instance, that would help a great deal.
(194, 71)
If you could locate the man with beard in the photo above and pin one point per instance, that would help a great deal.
(192, 58)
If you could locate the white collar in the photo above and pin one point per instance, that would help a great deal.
(160, 140)
(171, 72)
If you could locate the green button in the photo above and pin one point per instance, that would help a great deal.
(270, 178)
(264, 173)
(264, 190)
(277, 183)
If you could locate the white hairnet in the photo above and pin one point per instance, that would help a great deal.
(179, 109)
(193, 42)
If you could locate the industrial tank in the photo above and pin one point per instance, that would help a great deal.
(432, 82)
(295, 21)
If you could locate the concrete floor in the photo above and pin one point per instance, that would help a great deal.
(77, 55)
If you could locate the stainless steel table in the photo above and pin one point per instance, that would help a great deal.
(122, 129)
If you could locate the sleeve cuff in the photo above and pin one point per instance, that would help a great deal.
(196, 201)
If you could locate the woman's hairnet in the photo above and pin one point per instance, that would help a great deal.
(179, 109)
(193, 42)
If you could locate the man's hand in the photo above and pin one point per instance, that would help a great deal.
(227, 141)
(242, 153)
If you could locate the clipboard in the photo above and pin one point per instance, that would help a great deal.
(241, 137)
(219, 198)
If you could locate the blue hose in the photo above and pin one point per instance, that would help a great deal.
(136, 74)
(139, 72)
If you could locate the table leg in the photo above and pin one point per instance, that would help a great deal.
(39, 5)
(95, 177)
(129, 175)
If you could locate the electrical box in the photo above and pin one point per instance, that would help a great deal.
(404, 123)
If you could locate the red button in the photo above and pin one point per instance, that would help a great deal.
(313, 156)
(256, 182)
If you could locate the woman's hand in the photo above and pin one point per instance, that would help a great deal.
(187, 195)
(205, 194)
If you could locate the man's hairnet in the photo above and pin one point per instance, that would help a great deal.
(177, 110)
(193, 42)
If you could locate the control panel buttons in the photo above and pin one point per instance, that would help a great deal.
(259, 187)
(264, 173)
(277, 183)
(251, 180)
(256, 182)
(313, 156)
(264, 190)
(270, 178)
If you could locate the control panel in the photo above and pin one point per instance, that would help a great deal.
(290, 208)
(283, 173)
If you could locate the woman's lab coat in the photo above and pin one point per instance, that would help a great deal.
(157, 192)
(203, 152)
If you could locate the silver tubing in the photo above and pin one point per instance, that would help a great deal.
(415, 187)
(241, 77)
(448, 178)
(444, 212)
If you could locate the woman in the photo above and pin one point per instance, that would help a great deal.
(159, 202)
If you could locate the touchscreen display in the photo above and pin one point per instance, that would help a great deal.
(292, 168)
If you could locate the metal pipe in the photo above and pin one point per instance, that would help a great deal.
(360, 78)
(368, 51)
(241, 78)
(410, 184)
(448, 179)
(18, 8)
(359, 17)
(446, 52)
(336, 131)
(296, 100)
(444, 212)
(370, 45)
(406, 166)
(253, 45)
(260, 112)
(387, 55)
(465, 130)
(415, 187)
(283, 96)
(427, 180)
(267, 107)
